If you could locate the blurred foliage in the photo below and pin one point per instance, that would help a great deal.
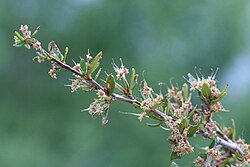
(40, 120)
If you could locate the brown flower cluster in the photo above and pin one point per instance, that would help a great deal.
(180, 145)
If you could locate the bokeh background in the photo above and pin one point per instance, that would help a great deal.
(40, 119)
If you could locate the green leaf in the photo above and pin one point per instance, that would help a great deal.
(124, 83)
(110, 85)
(238, 156)
(154, 125)
(66, 54)
(55, 56)
(19, 37)
(54, 51)
(166, 105)
(203, 128)
(41, 55)
(133, 81)
(192, 130)
(18, 45)
(205, 90)
(83, 66)
(184, 124)
(27, 46)
(185, 92)
(174, 156)
(86, 88)
(212, 144)
(36, 58)
(221, 96)
(97, 74)
(94, 64)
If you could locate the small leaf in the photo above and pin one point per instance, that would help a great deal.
(133, 81)
(41, 55)
(27, 46)
(173, 164)
(166, 105)
(19, 36)
(185, 92)
(192, 112)
(55, 57)
(97, 74)
(18, 45)
(238, 156)
(205, 90)
(105, 116)
(83, 66)
(66, 54)
(86, 88)
(94, 64)
(154, 125)
(35, 32)
(110, 85)
(192, 130)
(174, 156)
(212, 144)
(136, 106)
(54, 51)
(203, 128)
(184, 124)
(221, 96)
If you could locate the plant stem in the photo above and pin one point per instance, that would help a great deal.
(226, 142)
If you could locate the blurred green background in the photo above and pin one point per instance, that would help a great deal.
(40, 119)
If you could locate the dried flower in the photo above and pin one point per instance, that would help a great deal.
(95, 107)
(40, 59)
(217, 107)
(159, 99)
(187, 105)
(178, 112)
(210, 81)
(215, 91)
(198, 161)
(52, 73)
(147, 90)
(16, 40)
(142, 116)
(196, 118)
(88, 56)
(215, 154)
(124, 70)
(37, 45)
(27, 34)
(24, 28)
(195, 85)
(77, 67)
(75, 84)
(101, 94)
(146, 104)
